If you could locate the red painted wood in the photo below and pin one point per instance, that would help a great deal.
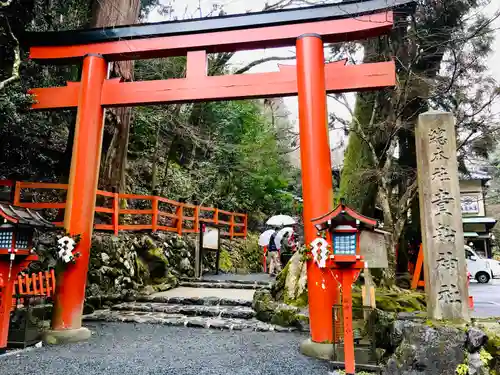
(339, 78)
(81, 196)
(315, 158)
(332, 31)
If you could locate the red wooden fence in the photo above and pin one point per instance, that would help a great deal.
(41, 284)
(156, 213)
(37, 284)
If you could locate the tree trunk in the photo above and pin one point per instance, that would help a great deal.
(170, 155)
(114, 13)
(154, 170)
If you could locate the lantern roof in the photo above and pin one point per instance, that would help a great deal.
(342, 213)
(22, 217)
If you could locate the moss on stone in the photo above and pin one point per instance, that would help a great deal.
(301, 301)
(493, 347)
(225, 263)
(284, 316)
(390, 301)
(158, 253)
(291, 283)
(142, 269)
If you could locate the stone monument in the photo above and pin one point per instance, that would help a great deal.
(445, 267)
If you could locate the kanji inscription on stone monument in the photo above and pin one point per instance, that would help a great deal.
(441, 217)
(440, 174)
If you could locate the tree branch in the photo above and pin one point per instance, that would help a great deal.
(404, 205)
(17, 56)
(358, 130)
(262, 61)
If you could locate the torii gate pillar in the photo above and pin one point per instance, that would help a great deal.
(80, 206)
(317, 189)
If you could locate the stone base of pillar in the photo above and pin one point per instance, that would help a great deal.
(66, 336)
(317, 350)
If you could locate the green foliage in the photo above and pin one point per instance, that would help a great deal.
(359, 185)
(224, 154)
(252, 253)
(462, 369)
(225, 263)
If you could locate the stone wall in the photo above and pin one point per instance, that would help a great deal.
(149, 262)
(291, 288)
(410, 344)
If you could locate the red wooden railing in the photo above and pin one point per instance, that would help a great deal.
(40, 284)
(159, 214)
(36, 284)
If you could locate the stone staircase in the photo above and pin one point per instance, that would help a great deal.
(225, 284)
(211, 304)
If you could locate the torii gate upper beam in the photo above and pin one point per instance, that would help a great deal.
(349, 20)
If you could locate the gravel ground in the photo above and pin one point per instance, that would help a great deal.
(130, 349)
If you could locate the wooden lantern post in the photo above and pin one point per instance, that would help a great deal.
(341, 254)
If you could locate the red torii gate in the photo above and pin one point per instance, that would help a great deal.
(307, 28)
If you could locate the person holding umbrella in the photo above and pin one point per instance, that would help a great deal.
(273, 251)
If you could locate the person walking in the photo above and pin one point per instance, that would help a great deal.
(272, 249)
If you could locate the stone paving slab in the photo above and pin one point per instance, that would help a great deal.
(214, 280)
(203, 301)
(183, 320)
(238, 312)
(251, 277)
(242, 294)
(222, 285)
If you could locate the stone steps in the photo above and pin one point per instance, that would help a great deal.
(224, 285)
(167, 319)
(214, 281)
(203, 301)
(194, 304)
(233, 312)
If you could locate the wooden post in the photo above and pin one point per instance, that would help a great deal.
(231, 226)
(17, 194)
(116, 213)
(349, 359)
(197, 256)
(154, 217)
(81, 196)
(317, 189)
(180, 219)
(197, 219)
(216, 216)
(245, 223)
(444, 261)
(368, 292)
(418, 268)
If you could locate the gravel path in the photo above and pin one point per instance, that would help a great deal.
(130, 349)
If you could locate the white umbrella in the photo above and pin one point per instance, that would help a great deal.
(281, 220)
(280, 235)
(265, 237)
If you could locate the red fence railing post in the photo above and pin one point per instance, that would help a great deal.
(116, 213)
(216, 216)
(180, 219)
(154, 217)
(231, 226)
(197, 219)
(245, 224)
(17, 194)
